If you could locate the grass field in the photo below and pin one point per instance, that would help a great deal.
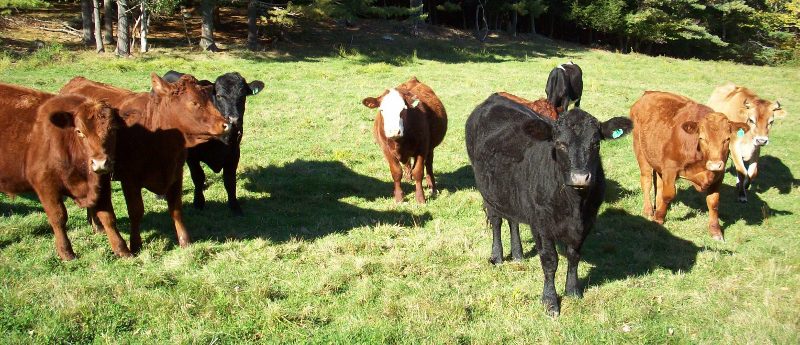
(323, 254)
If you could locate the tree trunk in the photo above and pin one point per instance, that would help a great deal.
(98, 39)
(552, 24)
(252, 25)
(207, 32)
(513, 26)
(533, 24)
(143, 28)
(86, 15)
(108, 22)
(123, 29)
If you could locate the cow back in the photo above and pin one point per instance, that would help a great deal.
(432, 110)
(17, 118)
(540, 106)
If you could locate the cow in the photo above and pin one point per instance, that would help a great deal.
(58, 146)
(564, 86)
(540, 106)
(740, 104)
(411, 122)
(151, 148)
(229, 94)
(673, 137)
(548, 174)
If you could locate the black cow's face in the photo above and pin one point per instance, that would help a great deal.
(576, 144)
(229, 95)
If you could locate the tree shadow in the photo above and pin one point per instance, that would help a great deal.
(623, 245)
(454, 181)
(304, 202)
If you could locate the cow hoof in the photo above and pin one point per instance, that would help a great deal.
(718, 238)
(553, 309)
(577, 293)
(123, 253)
(67, 255)
(495, 260)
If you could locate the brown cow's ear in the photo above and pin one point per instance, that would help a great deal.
(778, 112)
(736, 126)
(690, 127)
(160, 86)
(539, 130)
(62, 119)
(746, 104)
(370, 102)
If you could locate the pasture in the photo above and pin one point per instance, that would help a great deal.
(324, 255)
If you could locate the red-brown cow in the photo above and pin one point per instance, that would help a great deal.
(540, 106)
(151, 149)
(57, 146)
(673, 137)
(411, 122)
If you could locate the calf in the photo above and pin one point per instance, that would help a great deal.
(151, 150)
(228, 95)
(548, 174)
(540, 106)
(740, 104)
(411, 122)
(673, 137)
(564, 86)
(57, 146)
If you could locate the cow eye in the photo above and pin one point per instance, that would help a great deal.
(80, 134)
(750, 120)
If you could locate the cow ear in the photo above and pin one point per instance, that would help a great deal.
(538, 130)
(735, 127)
(778, 112)
(62, 119)
(255, 87)
(746, 104)
(616, 127)
(160, 86)
(370, 102)
(690, 127)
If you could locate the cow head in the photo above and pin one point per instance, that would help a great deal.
(229, 95)
(576, 137)
(760, 115)
(393, 106)
(713, 135)
(93, 123)
(188, 106)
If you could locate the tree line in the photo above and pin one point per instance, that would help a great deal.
(750, 31)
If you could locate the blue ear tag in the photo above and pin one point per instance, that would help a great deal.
(617, 133)
(740, 133)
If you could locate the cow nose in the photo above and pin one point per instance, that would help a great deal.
(715, 165)
(761, 141)
(580, 179)
(101, 166)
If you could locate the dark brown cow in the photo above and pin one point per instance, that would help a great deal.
(411, 122)
(151, 150)
(673, 137)
(57, 146)
(540, 106)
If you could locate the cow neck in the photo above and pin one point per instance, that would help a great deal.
(150, 111)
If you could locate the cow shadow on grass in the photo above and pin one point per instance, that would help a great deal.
(303, 201)
(454, 181)
(772, 173)
(24, 205)
(623, 245)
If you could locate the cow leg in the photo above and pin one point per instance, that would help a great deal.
(741, 187)
(431, 180)
(516, 244)
(57, 217)
(497, 241)
(104, 218)
(229, 178)
(407, 171)
(417, 172)
(664, 195)
(549, 259)
(174, 204)
(397, 174)
(741, 172)
(565, 103)
(199, 181)
(91, 218)
(573, 258)
(712, 201)
(646, 182)
(133, 199)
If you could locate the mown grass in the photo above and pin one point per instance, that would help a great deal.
(323, 255)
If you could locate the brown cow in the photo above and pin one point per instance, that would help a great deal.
(57, 146)
(742, 105)
(673, 137)
(151, 150)
(540, 106)
(411, 122)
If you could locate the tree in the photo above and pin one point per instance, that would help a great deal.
(86, 16)
(207, 31)
(98, 40)
(252, 25)
(108, 21)
(123, 29)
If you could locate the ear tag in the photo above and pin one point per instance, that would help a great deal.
(255, 91)
(740, 133)
(415, 104)
(617, 133)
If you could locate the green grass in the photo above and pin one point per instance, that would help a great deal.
(324, 255)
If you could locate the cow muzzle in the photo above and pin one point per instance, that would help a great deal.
(715, 165)
(761, 141)
(394, 134)
(579, 179)
(102, 166)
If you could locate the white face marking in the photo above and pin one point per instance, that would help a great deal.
(751, 170)
(391, 106)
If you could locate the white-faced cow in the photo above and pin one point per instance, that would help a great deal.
(548, 174)
(565, 86)
(411, 122)
(740, 104)
(229, 94)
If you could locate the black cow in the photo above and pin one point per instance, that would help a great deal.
(548, 174)
(564, 86)
(229, 93)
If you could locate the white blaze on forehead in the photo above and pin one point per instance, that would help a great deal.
(391, 106)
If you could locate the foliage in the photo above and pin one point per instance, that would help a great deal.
(7, 5)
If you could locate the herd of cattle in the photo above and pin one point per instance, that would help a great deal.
(536, 163)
